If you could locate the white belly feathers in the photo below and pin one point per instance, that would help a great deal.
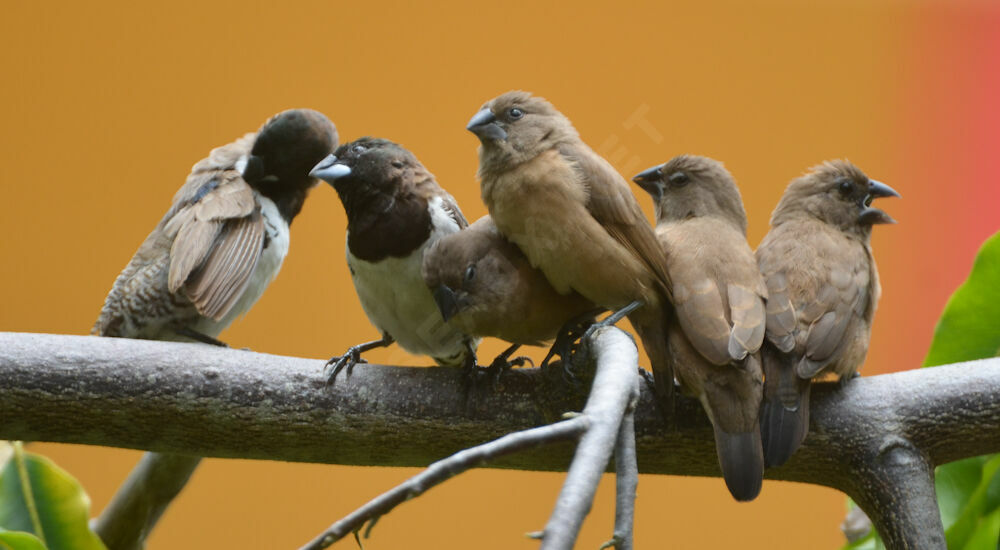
(398, 302)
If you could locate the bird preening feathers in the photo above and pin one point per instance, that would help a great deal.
(224, 237)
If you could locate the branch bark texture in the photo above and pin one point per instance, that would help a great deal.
(872, 439)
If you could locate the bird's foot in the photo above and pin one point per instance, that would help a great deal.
(568, 335)
(352, 357)
(612, 319)
(338, 363)
(845, 380)
(503, 363)
(200, 337)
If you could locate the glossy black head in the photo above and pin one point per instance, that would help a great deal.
(285, 149)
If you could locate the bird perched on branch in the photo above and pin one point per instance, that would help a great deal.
(395, 210)
(822, 288)
(719, 304)
(573, 216)
(485, 286)
(224, 237)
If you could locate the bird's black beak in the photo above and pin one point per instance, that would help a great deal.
(484, 125)
(329, 170)
(447, 301)
(650, 180)
(872, 216)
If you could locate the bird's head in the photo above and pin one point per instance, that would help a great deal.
(468, 270)
(516, 127)
(690, 186)
(287, 147)
(838, 193)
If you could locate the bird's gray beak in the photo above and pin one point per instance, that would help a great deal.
(869, 215)
(650, 180)
(447, 301)
(484, 125)
(329, 170)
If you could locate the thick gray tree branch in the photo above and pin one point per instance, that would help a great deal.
(870, 439)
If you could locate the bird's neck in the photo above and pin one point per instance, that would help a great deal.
(288, 197)
(381, 226)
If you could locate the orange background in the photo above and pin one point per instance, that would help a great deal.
(107, 105)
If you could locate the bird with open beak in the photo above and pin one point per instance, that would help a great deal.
(224, 237)
(395, 211)
(573, 216)
(484, 285)
(822, 288)
(719, 303)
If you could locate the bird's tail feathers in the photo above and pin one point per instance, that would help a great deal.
(742, 461)
(784, 419)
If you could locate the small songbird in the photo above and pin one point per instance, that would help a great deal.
(224, 238)
(395, 210)
(822, 288)
(485, 286)
(573, 216)
(719, 302)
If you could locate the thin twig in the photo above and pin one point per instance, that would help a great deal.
(626, 481)
(443, 470)
(615, 388)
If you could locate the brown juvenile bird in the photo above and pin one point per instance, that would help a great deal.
(224, 238)
(395, 210)
(573, 216)
(823, 286)
(485, 286)
(719, 302)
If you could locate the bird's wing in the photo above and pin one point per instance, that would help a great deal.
(612, 203)
(781, 319)
(451, 207)
(747, 314)
(842, 299)
(219, 233)
(721, 312)
(702, 315)
(428, 187)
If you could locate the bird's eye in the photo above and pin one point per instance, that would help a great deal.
(515, 113)
(397, 164)
(470, 273)
(678, 179)
(359, 149)
(845, 187)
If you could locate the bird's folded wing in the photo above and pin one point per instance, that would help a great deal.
(218, 239)
(612, 203)
(835, 306)
(781, 318)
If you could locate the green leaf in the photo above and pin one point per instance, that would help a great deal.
(16, 540)
(985, 536)
(967, 328)
(38, 497)
(976, 507)
(954, 483)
